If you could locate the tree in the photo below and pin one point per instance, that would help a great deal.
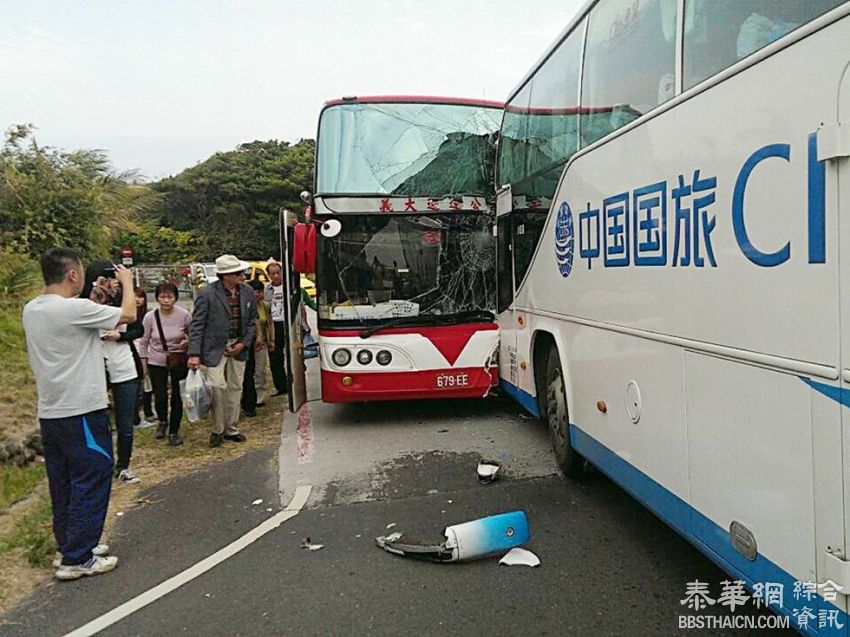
(230, 202)
(156, 244)
(51, 198)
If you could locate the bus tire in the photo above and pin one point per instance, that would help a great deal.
(558, 419)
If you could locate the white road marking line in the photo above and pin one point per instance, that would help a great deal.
(302, 493)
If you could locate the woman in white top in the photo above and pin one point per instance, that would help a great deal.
(122, 377)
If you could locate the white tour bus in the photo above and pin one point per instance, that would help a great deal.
(672, 292)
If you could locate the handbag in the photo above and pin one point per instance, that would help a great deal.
(173, 360)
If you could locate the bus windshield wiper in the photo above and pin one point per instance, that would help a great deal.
(425, 320)
(438, 319)
(470, 316)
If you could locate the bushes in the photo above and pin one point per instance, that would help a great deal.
(50, 198)
(18, 275)
(19, 280)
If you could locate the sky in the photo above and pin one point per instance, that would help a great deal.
(160, 85)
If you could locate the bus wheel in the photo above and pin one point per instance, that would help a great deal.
(558, 418)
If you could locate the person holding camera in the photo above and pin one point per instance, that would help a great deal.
(66, 356)
(163, 353)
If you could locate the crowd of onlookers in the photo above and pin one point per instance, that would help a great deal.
(91, 332)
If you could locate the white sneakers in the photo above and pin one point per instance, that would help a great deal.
(97, 565)
(100, 550)
(128, 477)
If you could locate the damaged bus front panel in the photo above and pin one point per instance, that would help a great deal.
(406, 253)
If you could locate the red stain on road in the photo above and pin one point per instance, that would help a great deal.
(304, 430)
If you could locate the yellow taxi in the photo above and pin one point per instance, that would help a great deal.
(257, 270)
(308, 286)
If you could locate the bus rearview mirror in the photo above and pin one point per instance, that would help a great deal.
(331, 228)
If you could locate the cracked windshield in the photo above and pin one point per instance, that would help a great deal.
(380, 268)
(383, 267)
(429, 150)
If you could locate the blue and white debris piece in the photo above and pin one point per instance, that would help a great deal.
(467, 541)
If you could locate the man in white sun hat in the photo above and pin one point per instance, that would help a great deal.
(220, 337)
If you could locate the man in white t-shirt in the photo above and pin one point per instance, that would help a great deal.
(66, 356)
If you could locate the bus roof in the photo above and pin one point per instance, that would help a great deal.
(414, 99)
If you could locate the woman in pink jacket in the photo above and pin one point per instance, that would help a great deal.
(171, 322)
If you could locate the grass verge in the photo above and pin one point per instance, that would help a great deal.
(26, 535)
(17, 409)
(26, 546)
(18, 482)
(32, 533)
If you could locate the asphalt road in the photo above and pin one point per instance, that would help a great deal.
(608, 566)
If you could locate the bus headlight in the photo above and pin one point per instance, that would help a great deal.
(341, 357)
(383, 357)
(364, 357)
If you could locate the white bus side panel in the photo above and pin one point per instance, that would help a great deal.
(599, 366)
(737, 303)
(727, 344)
(750, 448)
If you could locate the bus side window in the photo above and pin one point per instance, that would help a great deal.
(718, 33)
(527, 227)
(629, 66)
(513, 146)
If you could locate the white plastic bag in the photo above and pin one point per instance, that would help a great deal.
(196, 393)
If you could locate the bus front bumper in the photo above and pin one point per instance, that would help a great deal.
(468, 382)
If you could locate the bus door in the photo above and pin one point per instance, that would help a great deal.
(296, 371)
(506, 320)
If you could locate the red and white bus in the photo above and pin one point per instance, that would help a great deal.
(401, 237)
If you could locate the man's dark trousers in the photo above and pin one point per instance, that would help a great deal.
(78, 459)
(249, 390)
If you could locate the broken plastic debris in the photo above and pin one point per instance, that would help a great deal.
(269, 509)
(520, 557)
(257, 502)
(467, 541)
(307, 544)
(120, 513)
(383, 540)
(391, 525)
(487, 470)
(432, 492)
